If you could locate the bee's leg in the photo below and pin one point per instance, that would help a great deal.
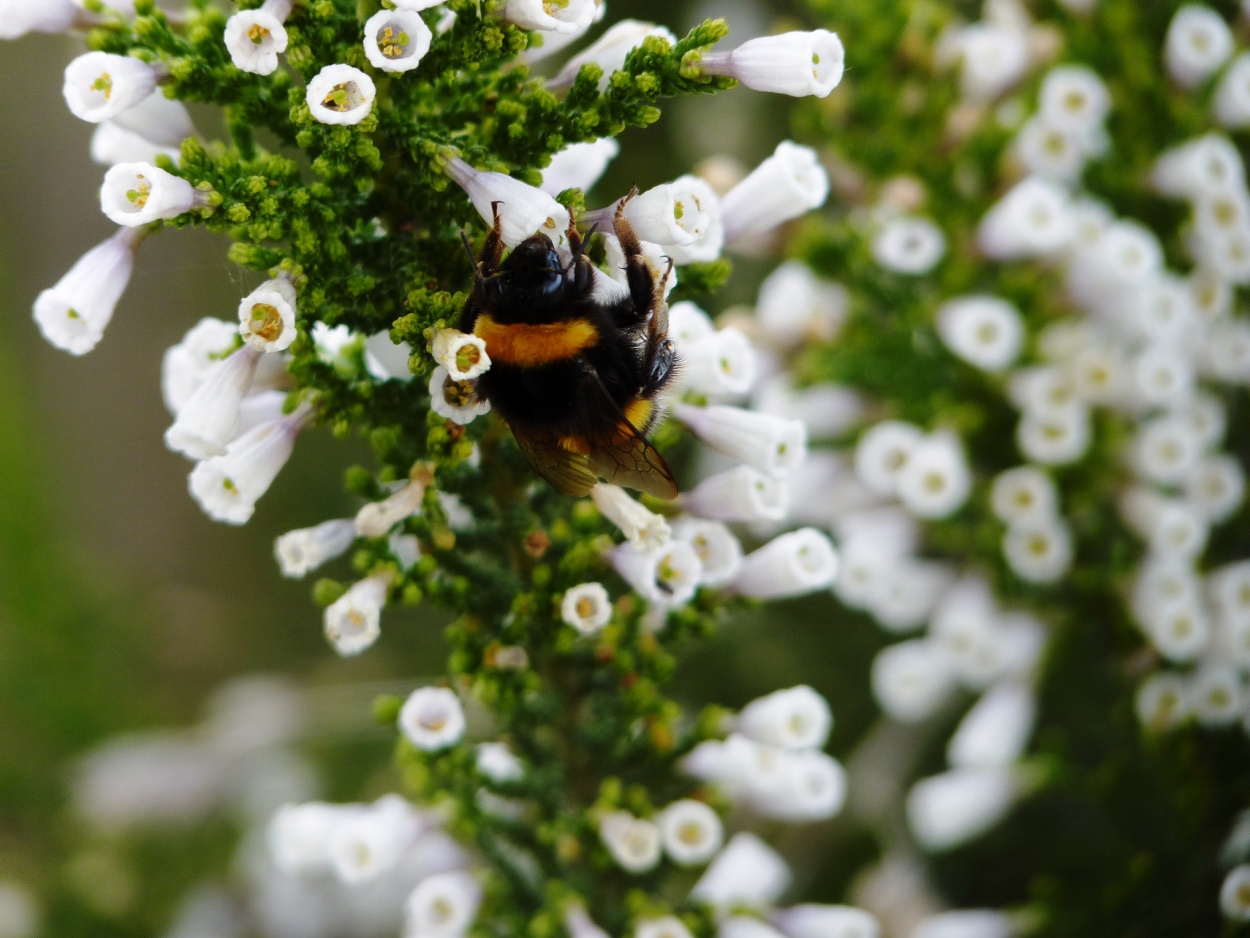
(492, 248)
(643, 288)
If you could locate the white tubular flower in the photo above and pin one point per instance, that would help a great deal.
(794, 306)
(1230, 589)
(579, 165)
(1226, 352)
(1215, 488)
(1165, 450)
(718, 550)
(610, 51)
(301, 551)
(690, 831)
(1054, 438)
(112, 144)
(812, 788)
(99, 85)
(784, 186)
(1231, 105)
(633, 842)
(73, 314)
(984, 331)
(867, 566)
(353, 622)
(796, 718)
(700, 201)
(769, 444)
(523, 210)
(644, 529)
(161, 121)
(720, 366)
(995, 731)
(442, 906)
(455, 400)
(372, 840)
(186, 365)
(944, 811)
(687, 323)
(909, 245)
(667, 927)
(255, 38)
(1197, 44)
(136, 194)
(1161, 703)
(340, 94)
(1045, 389)
(1023, 495)
(797, 63)
(792, 564)
(1074, 97)
(432, 718)
(826, 921)
(1235, 894)
(912, 679)
(396, 40)
(1161, 375)
(498, 763)
(377, 518)
(1179, 630)
(882, 454)
(568, 16)
(1031, 220)
(827, 410)
(740, 494)
(209, 420)
(906, 593)
(935, 481)
(676, 213)
(1215, 695)
(20, 17)
(1054, 152)
(747, 872)
(1038, 551)
(743, 926)
(668, 575)
(464, 356)
(1207, 165)
(267, 316)
(587, 607)
(993, 58)
(299, 835)
(580, 925)
(967, 923)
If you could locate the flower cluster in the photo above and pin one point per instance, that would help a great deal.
(350, 309)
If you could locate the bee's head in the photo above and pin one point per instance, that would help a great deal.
(534, 283)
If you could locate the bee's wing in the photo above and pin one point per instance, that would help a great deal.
(568, 471)
(622, 454)
(626, 458)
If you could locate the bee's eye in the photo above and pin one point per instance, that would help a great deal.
(552, 284)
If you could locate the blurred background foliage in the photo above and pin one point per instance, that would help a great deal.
(122, 607)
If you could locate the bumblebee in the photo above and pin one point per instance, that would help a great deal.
(577, 362)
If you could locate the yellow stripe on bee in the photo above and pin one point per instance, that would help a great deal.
(638, 413)
(535, 344)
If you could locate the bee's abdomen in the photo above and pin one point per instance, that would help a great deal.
(551, 395)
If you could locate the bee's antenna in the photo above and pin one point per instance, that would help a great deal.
(468, 249)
